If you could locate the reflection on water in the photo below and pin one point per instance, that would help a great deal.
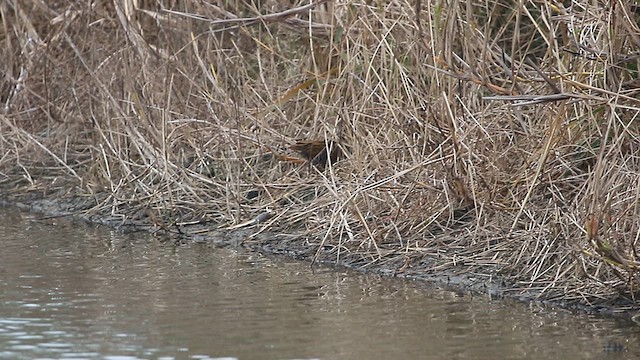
(72, 291)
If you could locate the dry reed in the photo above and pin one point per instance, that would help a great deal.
(479, 138)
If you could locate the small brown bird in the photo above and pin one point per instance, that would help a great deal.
(315, 151)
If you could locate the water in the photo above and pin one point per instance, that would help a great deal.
(69, 291)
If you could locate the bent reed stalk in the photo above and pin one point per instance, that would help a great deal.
(476, 138)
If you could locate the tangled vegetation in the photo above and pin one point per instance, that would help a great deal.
(498, 139)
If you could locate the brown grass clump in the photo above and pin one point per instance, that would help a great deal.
(475, 138)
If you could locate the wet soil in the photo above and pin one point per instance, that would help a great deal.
(56, 205)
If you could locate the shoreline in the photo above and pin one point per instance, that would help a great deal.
(290, 246)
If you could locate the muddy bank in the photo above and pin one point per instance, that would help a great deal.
(60, 205)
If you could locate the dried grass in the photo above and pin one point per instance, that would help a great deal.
(480, 138)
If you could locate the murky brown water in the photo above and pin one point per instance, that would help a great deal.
(69, 291)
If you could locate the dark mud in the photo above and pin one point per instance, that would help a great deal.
(63, 205)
